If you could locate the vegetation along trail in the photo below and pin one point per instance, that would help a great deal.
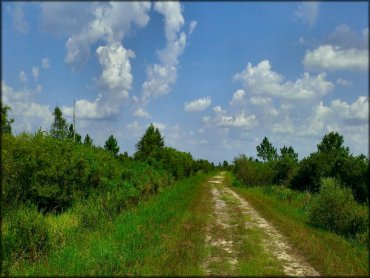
(233, 225)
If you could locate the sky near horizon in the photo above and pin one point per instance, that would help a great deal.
(215, 78)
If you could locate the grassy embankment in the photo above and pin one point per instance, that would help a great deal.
(329, 253)
(162, 236)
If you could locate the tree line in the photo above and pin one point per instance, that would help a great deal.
(52, 169)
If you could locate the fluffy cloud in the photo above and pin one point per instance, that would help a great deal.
(23, 77)
(221, 119)
(92, 110)
(241, 120)
(355, 113)
(20, 23)
(307, 12)
(261, 80)
(35, 72)
(328, 57)
(116, 75)
(161, 76)
(141, 113)
(106, 23)
(238, 97)
(198, 105)
(160, 126)
(27, 113)
(45, 63)
(110, 23)
(343, 82)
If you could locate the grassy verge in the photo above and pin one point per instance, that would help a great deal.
(329, 253)
(163, 236)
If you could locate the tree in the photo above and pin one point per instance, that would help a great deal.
(59, 128)
(150, 145)
(88, 141)
(332, 142)
(225, 165)
(111, 145)
(73, 135)
(288, 152)
(266, 151)
(5, 121)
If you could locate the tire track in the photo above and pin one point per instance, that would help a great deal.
(222, 259)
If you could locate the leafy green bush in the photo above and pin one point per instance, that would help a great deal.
(251, 172)
(26, 236)
(335, 209)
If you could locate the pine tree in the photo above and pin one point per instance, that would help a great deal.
(88, 141)
(59, 128)
(150, 145)
(111, 145)
(266, 151)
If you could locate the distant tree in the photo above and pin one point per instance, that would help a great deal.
(266, 151)
(73, 135)
(5, 121)
(332, 142)
(59, 128)
(288, 152)
(88, 141)
(150, 145)
(225, 165)
(111, 145)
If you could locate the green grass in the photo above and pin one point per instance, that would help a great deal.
(327, 252)
(163, 236)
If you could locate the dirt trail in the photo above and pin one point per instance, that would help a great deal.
(220, 237)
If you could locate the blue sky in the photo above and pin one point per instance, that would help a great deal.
(215, 78)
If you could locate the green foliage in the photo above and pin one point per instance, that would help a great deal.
(73, 135)
(332, 142)
(251, 172)
(59, 128)
(335, 209)
(111, 145)
(333, 160)
(266, 151)
(27, 236)
(150, 145)
(286, 152)
(5, 121)
(88, 141)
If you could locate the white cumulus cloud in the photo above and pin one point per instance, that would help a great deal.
(198, 105)
(328, 57)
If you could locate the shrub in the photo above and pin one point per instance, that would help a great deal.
(335, 209)
(27, 236)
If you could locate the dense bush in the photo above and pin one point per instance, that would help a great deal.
(334, 208)
(251, 172)
(26, 236)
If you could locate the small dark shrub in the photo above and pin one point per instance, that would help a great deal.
(335, 209)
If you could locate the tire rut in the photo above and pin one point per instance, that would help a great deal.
(220, 238)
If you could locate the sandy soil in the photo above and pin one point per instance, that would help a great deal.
(223, 244)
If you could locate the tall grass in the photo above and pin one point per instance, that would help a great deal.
(160, 236)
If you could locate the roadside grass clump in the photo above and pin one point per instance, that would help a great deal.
(335, 209)
(26, 236)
